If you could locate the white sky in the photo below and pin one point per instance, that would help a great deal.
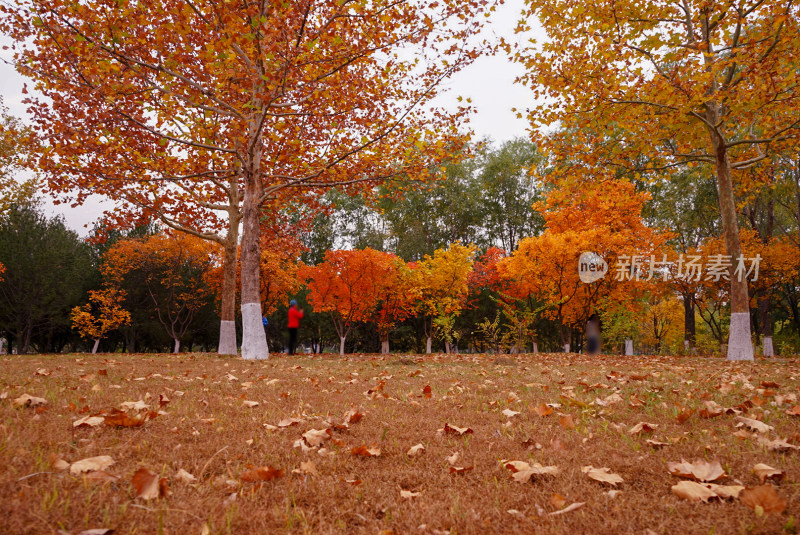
(489, 82)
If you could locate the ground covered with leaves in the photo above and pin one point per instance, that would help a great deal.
(413, 444)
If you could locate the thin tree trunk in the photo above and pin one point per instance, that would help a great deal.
(341, 345)
(96, 344)
(177, 346)
(428, 345)
(740, 346)
(227, 328)
(254, 338)
(689, 325)
(765, 325)
(385, 344)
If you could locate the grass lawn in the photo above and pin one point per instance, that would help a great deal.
(235, 425)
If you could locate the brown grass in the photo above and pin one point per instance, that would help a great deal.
(466, 391)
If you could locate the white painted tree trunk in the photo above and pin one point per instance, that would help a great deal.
(177, 347)
(535, 348)
(740, 347)
(428, 346)
(566, 348)
(254, 339)
(95, 346)
(227, 338)
(629, 347)
(341, 345)
(767, 350)
(385, 347)
(2, 343)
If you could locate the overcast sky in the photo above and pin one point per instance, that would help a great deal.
(489, 82)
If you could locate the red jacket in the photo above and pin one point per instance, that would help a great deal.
(295, 314)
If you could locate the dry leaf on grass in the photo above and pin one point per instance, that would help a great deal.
(363, 451)
(118, 418)
(88, 421)
(460, 469)
(185, 477)
(558, 500)
(508, 413)
(100, 477)
(89, 464)
(699, 470)
(427, 392)
(524, 475)
(568, 509)
(684, 415)
(250, 404)
(755, 425)
(778, 444)
(353, 416)
(543, 410)
(354, 482)
(262, 473)
(763, 497)
(306, 467)
(288, 422)
(642, 427)
(148, 485)
(603, 475)
(712, 410)
(26, 400)
(409, 494)
(693, 491)
(765, 472)
(655, 443)
(453, 430)
(316, 437)
(134, 406)
(413, 451)
(566, 421)
(453, 459)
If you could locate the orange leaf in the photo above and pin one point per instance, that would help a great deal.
(262, 473)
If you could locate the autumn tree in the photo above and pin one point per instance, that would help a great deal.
(175, 271)
(348, 285)
(687, 83)
(441, 286)
(188, 110)
(101, 315)
(395, 298)
(14, 146)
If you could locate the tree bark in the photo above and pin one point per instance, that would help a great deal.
(385, 345)
(689, 325)
(227, 328)
(765, 325)
(94, 347)
(428, 345)
(176, 348)
(740, 346)
(254, 339)
(341, 345)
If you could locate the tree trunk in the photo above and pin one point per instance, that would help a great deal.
(95, 346)
(535, 348)
(341, 345)
(689, 326)
(428, 346)
(176, 348)
(765, 325)
(254, 338)
(629, 347)
(566, 348)
(447, 347)
(227, 326)
(385, 344)
(740, 346)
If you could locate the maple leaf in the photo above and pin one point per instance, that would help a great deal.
(764, 472)
(315, 437)
(699, 470)
(363, 451)
(763, 497)
(262, 473)
(602, 475)
(89, 464)
(525, 473)
(148, 485)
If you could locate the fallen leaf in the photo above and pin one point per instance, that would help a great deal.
(185, 477)
(656, 444)
(794, 411)
(118, 418)
(602, 475)
(778, 444)
(148, 485)
(543, 410)
(88, 421)
(315, 437)
(416, 450)
(91, 463)
(100, 477)
(288, 422)
(684, 415)
(712, 410)
(568, 509)
(250, 404)
(693, 491)
(453, 459)
(765, 472)
(460, 469)
(262, 473)
(134, 406)
(26, 400)
(353, 416)
(558, 501)
(306, 467)
(407, 494)
(452, 430)
(427, 392)
(523, 476)
(354, 482)
(765, 497)
(565, 421)
(363, 451)
(699, 470)
(642, 427)
(508, 413)
(755, 425)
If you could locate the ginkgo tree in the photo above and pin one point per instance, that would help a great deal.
(102, 314)
(204, 113)
(682, 83)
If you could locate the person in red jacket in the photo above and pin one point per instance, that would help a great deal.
(295, 315)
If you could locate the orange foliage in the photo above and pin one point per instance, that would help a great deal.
(110, 314)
